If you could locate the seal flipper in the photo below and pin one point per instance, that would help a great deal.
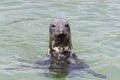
(94, 73)
(82, 67)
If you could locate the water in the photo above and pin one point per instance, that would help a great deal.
(24, 34)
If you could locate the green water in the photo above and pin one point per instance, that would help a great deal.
(24, 34)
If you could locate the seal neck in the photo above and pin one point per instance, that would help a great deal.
(60, 46)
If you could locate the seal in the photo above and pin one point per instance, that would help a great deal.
(60, 57)
(60, 46)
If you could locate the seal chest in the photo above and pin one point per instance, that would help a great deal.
(60, 46)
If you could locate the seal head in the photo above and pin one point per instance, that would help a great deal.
(60, 31)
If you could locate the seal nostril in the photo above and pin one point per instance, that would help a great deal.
(61, 31)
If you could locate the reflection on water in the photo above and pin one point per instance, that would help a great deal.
(56, 74)
(71, 70)
(78, 71)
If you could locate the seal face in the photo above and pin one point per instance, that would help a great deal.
(60, 32)
(60, 46)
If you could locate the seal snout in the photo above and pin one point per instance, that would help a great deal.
(61, 32)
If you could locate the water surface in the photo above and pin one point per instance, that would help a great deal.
(24, 34)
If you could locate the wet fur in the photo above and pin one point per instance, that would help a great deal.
(60, 46)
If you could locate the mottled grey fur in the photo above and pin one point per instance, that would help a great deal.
(60, 46)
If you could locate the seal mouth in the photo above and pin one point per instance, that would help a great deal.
(60, 37)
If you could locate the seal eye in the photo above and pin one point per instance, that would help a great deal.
(53, 25)
(66, 25)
